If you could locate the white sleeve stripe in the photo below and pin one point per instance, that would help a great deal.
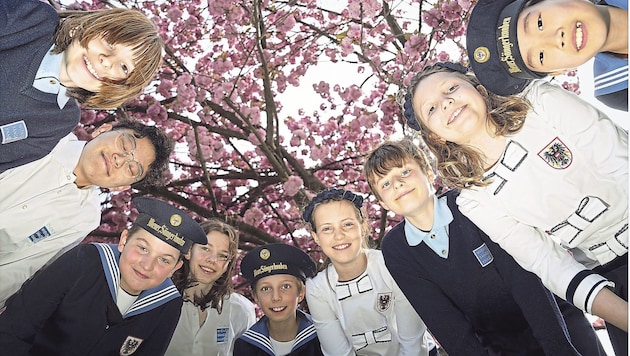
(587, 290)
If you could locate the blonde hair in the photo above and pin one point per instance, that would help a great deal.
(117, 26)
(463, 166)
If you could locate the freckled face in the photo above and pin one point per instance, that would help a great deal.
(87, 67)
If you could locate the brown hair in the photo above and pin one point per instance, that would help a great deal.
(390, 155)
(463, 166)
(223, 286)
(116, 26)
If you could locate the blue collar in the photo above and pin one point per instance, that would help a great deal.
(147, 300)
(258, 334)
(437, 238)
(47, 77)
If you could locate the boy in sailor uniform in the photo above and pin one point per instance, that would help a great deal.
(101, 299)
(277, 273)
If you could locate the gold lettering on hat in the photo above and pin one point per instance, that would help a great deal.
(506, 47)
(164, 233)
(481, 54)
(264, 254)
(268, 269)
(176, 220)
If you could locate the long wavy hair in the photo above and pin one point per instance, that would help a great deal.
(462, 166)
(117, 26)
(223, 286)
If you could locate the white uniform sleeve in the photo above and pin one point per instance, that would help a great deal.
(532, 249)
(246, 316)
(329, 331)
(412, 332)
(602, 142)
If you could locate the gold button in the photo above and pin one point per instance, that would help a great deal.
(444, 252)
(53, 82)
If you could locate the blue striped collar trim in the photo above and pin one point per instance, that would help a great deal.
(258, 334)
(148, 299)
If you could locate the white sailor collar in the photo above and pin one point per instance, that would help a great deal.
(147, 300)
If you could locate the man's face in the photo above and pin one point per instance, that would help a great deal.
(145, 261)
(114, 159)
(555, 36)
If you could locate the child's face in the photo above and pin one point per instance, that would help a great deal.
(451, 107)
(145, 261)
(86, 67)
(209, 262)
(338, 231)
(404, 190)
(278, 296)
(555, 36)
(103, 161)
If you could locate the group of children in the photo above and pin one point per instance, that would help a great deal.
(533, 232)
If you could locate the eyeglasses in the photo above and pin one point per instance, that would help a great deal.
(126, 143)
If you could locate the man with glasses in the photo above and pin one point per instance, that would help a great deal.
(48, 206)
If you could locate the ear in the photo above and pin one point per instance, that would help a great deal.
(302, 293)
(119, 189)
(482, 90)
(179, 265)
(188, 254)
(101, 129)
(314, 236)
(123, 240)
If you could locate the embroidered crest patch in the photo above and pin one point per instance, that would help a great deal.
(40, 234)
(556, 154)
(130, 345)
(222, 335)
(14, 131)
(383, 301)
(483, 255)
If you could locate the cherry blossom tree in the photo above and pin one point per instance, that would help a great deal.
(231, 69)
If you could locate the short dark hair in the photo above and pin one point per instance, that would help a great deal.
(163, 147)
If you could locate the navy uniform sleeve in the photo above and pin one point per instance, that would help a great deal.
(23, 21)
(443, 319)
(163, 328)
(536, 302)
(28, 309)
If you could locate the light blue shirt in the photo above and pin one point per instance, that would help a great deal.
(47, 77)
(437, 238)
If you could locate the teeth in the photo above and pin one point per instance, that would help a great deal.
(278, 309)
(455, 115)
(579, 36)
(90, 68)
(207, 270)
(341, 247)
